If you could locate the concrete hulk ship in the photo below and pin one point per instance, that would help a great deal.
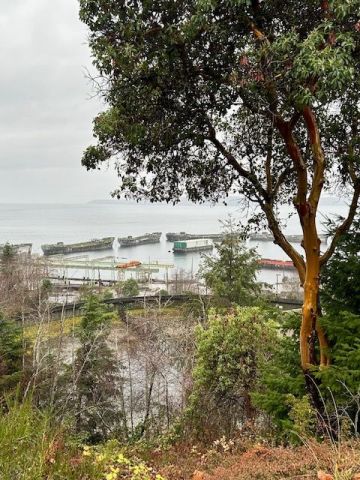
(181, 236)
(61, 248)
(141, 240)
(267, 237)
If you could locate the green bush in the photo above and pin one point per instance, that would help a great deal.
(230, 352)
(130, 288)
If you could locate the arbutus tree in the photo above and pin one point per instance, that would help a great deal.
(212, 97)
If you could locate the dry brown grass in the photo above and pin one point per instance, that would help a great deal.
(341, 462)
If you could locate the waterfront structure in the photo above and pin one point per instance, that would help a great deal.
(141, 240)
(61, 248)
(195, 245)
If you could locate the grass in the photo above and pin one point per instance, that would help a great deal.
(33, 449)
(51, 329)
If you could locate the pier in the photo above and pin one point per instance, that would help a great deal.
(92, 268)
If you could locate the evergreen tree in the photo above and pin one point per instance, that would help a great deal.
(130, 288)
(341, 277)
(11, 355)
(281, 382)
(231, 272)
(340, 297)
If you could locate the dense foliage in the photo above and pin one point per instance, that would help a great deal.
(11, 355)
(281, 380)
(194, 89)
(340, 296)
(230, 350)
(130, 288)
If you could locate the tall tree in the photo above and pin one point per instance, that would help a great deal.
(210, 97)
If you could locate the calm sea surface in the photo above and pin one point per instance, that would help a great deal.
(50, 223)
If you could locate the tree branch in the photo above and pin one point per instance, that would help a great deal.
(236, 165)
(281, 240)
(295, 154)
(269, 147)
(281, 179)
(318, 156)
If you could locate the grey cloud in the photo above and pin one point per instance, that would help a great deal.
(45, 107)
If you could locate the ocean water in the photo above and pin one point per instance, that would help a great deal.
(51, 223)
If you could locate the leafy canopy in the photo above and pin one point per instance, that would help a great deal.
(200, 93)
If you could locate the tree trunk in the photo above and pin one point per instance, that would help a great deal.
(311, 331)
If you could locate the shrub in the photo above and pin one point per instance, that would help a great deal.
(229, 354)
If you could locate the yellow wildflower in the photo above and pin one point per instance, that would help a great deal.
(111, 476)
(122, 460)
(86, 451)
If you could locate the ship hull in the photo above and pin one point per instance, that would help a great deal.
(182, 236)
(142, 240)
(193, 249)
(266, 237)
(92, 246)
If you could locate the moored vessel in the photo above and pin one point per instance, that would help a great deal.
(61, 248)
(181, 236)
(272, 264)
(268, 237)
(141, 240)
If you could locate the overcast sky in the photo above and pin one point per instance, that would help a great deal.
(46, 109)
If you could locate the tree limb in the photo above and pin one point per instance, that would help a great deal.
(295, 154)
(282, 177)
(318, 156)
(236, 165)
(281, 240)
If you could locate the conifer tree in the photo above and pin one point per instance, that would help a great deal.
(231, 271)
(11, 355)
